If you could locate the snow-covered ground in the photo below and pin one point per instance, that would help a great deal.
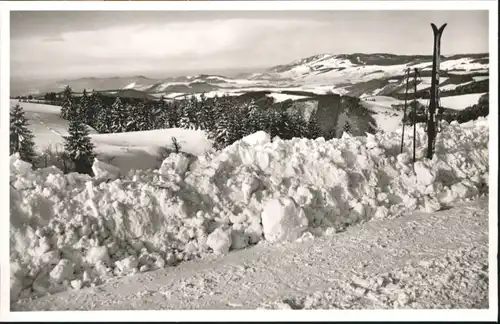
(72, 231)
(459, 102)
(279, 97)
(387, 118)
(420, 260)
(131, 150)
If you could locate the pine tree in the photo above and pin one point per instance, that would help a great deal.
(188, 113)
(79, 147)
(67, 101)
(133, 118)
(118, 117)
(103, 120)
(160, 115)
(298, 124)
(174, 115)
(145, 110)
(94, 106)
(313, 130)
(200, 107)
(21, 138)
(285, 130)
(347, 127)
(83, 107)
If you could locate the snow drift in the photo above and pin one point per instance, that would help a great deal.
(72, 231)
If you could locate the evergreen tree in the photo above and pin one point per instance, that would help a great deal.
(118, 115)
(133, 118)
(188, 113)
(103, 120)
(79, 147)
(145, 110)
(94, 106)
(200, 112)
(298, 124)
(21, 138)
(160, 115)
(313, 130)
(347, 127)
(174, 112)
(83, 107)
(67, 102)
(285, 130)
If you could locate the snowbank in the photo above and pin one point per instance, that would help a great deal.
(71, 231)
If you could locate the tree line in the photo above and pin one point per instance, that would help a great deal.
(225, 119)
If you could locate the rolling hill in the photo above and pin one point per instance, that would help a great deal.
(351, 74)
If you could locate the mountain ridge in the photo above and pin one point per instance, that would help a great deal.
(340, 71)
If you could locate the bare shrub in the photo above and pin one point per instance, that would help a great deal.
(53, 156)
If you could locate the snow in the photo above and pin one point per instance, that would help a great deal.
(438, 260)
(283, 219)
(449, 87)
(244, 194)
(219, 241)
(462, 64)
(279, 97)
(480, 78)
(126, 151)
(130, 86)
(459, 102)
(388, 119)
(104, 171)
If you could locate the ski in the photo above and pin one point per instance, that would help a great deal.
(431, 125)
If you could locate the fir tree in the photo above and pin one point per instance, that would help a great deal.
(173, 115)
(21, 138)
(103, 120)
(79, 147)
(160, 115)
(94, 106)
(313, 130)
(347, 127)
(83, 106)
(285, 130)
(146, 117)
(298, 124)
(188, 117)
(67, 102)
(118, 115)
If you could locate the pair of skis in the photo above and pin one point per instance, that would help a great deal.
(434, 97)
(433, 102)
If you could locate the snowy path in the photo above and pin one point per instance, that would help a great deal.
(420, 260)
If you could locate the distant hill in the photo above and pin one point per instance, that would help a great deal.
(356, 75)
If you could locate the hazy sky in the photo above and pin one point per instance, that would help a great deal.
(161, 43)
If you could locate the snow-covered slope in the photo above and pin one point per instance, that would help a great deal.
(71, 231)
(132, 150)
(338, 72)
(387, 118)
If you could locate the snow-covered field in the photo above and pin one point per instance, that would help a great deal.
(132, 150)
(73, 231)
(459, 102)
(387, 118)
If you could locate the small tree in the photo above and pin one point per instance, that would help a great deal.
(79, 147)
(67, 102)
(176, 145)
(313, 130)
(347, 127)
(21, 138)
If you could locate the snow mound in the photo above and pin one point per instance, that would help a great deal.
(104, 171)
(70, 231)
(283, 219)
